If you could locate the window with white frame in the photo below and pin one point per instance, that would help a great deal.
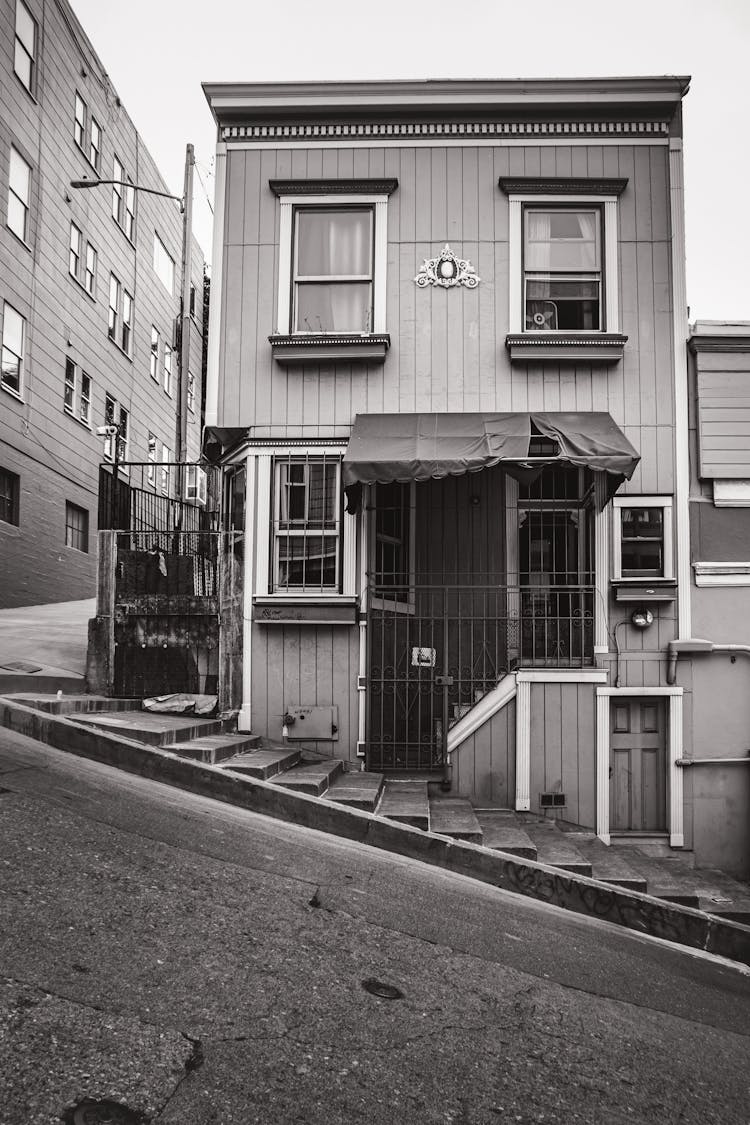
(151, 457)
(126, 335)
(79, 122)
(89, 277)
(77, 394)
(118, 176)
(163, 265)
(129, 223)
(643, 537)
(116, 415)
(24, 57)
(95, 143)
(13, 348)
(167, 369)
(154, 354)
(19, 194)
(76, 527)
(333, 258)
(74, 257)
(306, 530)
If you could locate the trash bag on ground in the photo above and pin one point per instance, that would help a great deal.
(181, 703)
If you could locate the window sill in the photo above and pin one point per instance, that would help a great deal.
(294, 350)
(19, 240)
(82, 287)
(120, 349)
(13, 394)
(644, 590)
(599, 347)
(296, 609)
(78, 421)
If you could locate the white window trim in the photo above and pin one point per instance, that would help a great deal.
(663, 502)
(380, 262)
(610, 272)
(25, 203)
(336, 534)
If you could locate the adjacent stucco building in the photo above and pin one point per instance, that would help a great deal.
(89, 302)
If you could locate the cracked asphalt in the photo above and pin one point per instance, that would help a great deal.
(202, 965)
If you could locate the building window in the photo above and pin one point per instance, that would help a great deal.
(307, 525)
(151, 469)
(166, 457)
(562, 269)
(79, 122)
(126, 338)
(154, 356)
(192, 300)
(74, 264)
(118, 177)
(95, 143)
(393, 542)
(77, 400)
(76, 527)
(118, 416)
(90, 274)
(19, 195)
(191, 392)
(24, 60)
(168, 369)
(643, 537)
(14, 341)
(114, 307)
(129, 226)
(163, 265)
(332, 271)
(9, 497)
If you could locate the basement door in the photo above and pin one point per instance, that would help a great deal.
(638, 765)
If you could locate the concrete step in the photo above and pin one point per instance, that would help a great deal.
(503, 835)
(154, 729)
(454, 816)
(609, 865)
(554, 849)
(263, 763)
(73, 704)
(312, 777)
(358, 789)
(406, 802)
(215, 748)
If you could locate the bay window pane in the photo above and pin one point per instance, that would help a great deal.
(334, 243)
(339, 307)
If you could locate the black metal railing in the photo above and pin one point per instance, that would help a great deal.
(150, 496)
(435, 650)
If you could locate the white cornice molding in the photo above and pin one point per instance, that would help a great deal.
(326, 131)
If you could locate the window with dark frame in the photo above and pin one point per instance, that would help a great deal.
(307, 525)
(562, 269)
(76, 527)
(332, 269)
(24, 57)
(19, 194)
(9, 497)
(392, 526)
(13, 347)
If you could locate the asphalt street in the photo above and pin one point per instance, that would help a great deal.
(202, 965)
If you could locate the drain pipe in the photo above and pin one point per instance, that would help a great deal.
(693, 647)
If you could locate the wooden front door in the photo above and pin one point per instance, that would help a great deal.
(638, 765)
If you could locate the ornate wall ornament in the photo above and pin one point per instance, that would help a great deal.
(447, 270)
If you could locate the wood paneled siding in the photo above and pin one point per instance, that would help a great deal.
(306, 665)
(724, 416)
(563, 742)
(448, 346)
(484, 766)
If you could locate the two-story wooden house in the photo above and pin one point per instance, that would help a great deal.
(447, 381)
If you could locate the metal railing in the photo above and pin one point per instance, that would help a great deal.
(435, 650)
(143, 496)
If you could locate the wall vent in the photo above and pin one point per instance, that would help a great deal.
(552, 800)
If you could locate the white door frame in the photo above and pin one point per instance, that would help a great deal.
(675, 825)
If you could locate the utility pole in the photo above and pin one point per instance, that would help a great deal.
(184, 320)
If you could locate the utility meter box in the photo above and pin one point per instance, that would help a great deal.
(312, 722)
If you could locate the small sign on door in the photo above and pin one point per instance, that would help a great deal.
(423, 658)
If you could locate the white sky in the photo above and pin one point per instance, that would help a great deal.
(157, 53)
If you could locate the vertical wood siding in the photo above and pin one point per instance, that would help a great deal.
(563, 748)
(484, 767)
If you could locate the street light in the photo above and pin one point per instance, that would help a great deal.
(186, 208)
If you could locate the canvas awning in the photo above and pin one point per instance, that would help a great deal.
(405, 447)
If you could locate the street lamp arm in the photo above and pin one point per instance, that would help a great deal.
(127, 184)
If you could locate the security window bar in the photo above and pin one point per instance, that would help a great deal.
(114, 307)
(12, 356)
(24, 57)
(79, 122)
(19, 195)
(89, 279)
(332, 275)
(76, 527)
(307, 525)
(562, 262)
(642, 542)
(9, 497)
(74, 258)
(95, 143)
(154, 356)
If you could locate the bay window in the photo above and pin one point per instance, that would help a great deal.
(306, 525)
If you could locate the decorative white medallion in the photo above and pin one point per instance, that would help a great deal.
(447, 270)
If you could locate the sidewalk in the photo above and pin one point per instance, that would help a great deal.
(42, 643)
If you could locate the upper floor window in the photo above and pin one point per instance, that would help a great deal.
(79, 121)
(643, 537)
(13, 347)
(126, 335)
(89, 277)
(116, 415)
(74, 265)
(151, 456)
(24, 59)
(19, 195)
(191, 392)
(154, 355)
(77, 397)
(129, 224)
(562, 274)
(307, 525)
(118, 177)
(95, 143)
(76, 527)
(163, 265)
(114, 307)
(9, 496)
(168, 368)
